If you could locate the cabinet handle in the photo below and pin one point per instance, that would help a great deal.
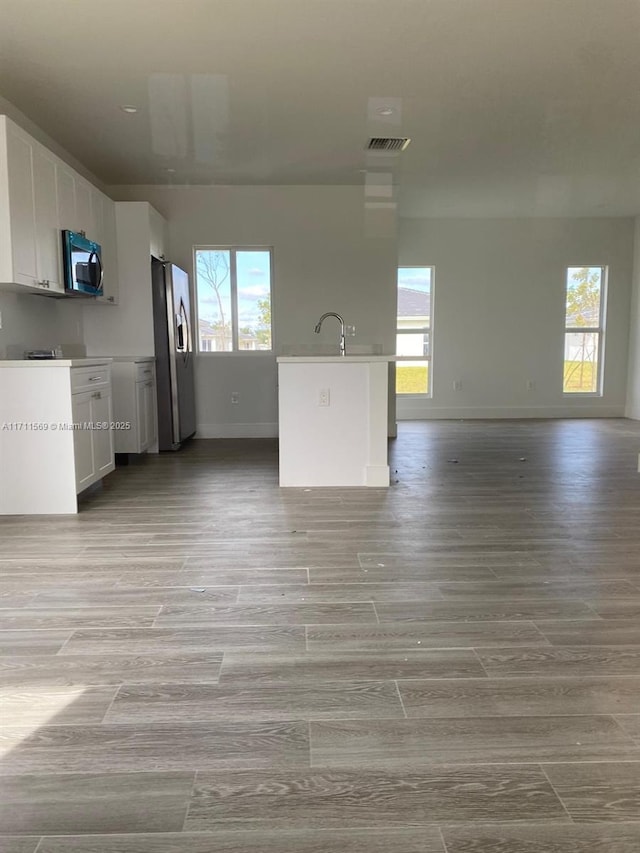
(96, 396)
(96, 379)
(146, 371)
(44, 283)
(148, 384)
(111, 299)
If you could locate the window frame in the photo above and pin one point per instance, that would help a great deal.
(233, 291)
(599, 330)
(413, 330)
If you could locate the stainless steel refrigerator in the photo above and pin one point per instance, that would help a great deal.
(174, 354)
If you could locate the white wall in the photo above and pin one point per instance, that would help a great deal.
(633, 378)
(38, 322)
(499, 312)
(126, 329)
(331, 253)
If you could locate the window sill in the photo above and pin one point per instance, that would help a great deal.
(414, 396)
(243, 353)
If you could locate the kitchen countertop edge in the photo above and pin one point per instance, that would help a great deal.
(293, 359)
(55, 362)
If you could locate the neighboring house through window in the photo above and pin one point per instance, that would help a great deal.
(414, 330)
(233, 296)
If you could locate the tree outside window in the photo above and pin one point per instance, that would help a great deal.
(233, 288)
(584, 330)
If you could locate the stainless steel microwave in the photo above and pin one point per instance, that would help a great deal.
(82, 265)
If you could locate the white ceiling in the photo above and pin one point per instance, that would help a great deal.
(514, 107)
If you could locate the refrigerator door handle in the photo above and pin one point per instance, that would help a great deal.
(179, 334)
(173, 326)
(182, 327)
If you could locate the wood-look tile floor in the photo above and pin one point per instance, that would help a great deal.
(201, 662)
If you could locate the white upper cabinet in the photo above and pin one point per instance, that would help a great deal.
(17, 219)
(47, 232)
(40, 196)
(66, 191)
(30, 253)
(97, 216)
(109, 252)
(84, 214)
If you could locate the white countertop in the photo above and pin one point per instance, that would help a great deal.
(134, 359)
(56, 362)
(292, 359)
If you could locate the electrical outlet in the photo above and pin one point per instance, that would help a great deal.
(457, 384)
(531, 385)
(324, 398)
(350, 331)
(235, 397)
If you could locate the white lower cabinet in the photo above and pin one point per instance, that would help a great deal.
(102, 446)
(82, 449)
(134, 405)
(56, 437)
(93, 439)
(146, 415)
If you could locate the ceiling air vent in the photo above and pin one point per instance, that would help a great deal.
(388, 143)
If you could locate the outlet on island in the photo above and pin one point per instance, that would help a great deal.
(235, 397)
(324, 397)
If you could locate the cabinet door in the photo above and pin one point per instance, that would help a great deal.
(23, 225)
(48, 240)
(141, 417)
(97, 216)
(82, 441)
(66, 191)
(101, 413)
(109, 252)
(150, 412)
(84, 216)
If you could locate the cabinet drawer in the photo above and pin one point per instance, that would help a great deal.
(144, 371)
(86, 378)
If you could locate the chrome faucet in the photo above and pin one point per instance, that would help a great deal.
(343, 348)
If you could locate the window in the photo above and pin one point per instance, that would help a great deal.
(584, 330)
(233, 295)
(414, 330)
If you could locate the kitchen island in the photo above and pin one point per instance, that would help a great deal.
(333, 420)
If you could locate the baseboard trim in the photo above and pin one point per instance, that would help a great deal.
(376, 476)
(263, 430)
(413, 413)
